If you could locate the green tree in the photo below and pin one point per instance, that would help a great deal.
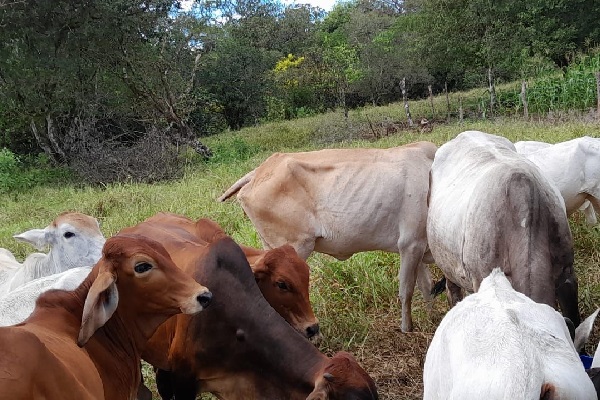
(69, 68)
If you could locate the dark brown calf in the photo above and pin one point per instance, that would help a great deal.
(282, 276)
(241, 348)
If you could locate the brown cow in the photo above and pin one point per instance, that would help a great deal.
(344, 201)
(242, 349)
(282, 276)
(343, 379)
(86, 343)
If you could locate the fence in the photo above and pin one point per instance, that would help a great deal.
(543, 96)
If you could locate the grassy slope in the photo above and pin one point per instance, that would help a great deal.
(355, 300)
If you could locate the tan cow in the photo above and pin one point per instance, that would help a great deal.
(344, 201)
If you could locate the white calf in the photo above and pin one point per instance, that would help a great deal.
(499, 344)
(75, 240)
(18, 304)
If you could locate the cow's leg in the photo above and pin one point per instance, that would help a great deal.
(164, 384)
(305, 247)
(185, 388)
(455, 293)
(566, 293)
(593, 210)
(425, 283)
(143, 393)
(589, 213)
(410, 261)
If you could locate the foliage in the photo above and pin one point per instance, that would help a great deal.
(122, 70)
(556, 90)
(17, 175)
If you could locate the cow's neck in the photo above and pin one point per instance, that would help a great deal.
(114, 348)
(272, 361)
(263, 350)
(121, 342)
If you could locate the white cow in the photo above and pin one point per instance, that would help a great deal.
(498, 344)
(75, 240)
(526, 147)
(18, 304)
(344, 201)
(574, 167)
(490, 207)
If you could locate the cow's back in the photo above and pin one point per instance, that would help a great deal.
(491, 208)
(342, 200)
(61, 369)
(499, 344)
(573, 166)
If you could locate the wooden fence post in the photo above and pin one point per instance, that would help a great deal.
(598, 94)
(447, 102)
(408, 117)
(492, 92)
(460, 110)
(431, 101)
(524, 99)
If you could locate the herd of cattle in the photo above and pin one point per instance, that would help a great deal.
(214, 316)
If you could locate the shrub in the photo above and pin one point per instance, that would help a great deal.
(19, 174)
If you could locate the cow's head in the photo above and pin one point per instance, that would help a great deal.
(137, 276)
(343, 379)
(283, 279)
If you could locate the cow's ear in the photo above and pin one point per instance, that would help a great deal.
(100, 305)
(583, 331)
(259, 266)
(35, 237)
(548, 392)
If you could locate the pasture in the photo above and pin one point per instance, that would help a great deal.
(355, 300)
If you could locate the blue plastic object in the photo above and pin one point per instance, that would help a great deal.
(586, 360)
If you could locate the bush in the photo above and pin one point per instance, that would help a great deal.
(20, 174)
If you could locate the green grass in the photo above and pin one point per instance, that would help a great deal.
(355, 300)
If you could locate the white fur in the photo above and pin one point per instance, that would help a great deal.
(18, 304)
(574, 167)
(83, 248)
(499, 344)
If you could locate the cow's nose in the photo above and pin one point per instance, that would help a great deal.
(204, 299)
(312, 330)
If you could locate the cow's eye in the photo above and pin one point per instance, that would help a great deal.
(142, 267)
(68, 235)
(282, 285)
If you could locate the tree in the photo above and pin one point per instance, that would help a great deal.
(84, 73)
(236, 73)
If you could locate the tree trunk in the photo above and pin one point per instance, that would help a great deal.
(447, 101)
(598, 94)
(48, 142)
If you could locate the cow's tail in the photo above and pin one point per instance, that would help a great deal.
(237, 186)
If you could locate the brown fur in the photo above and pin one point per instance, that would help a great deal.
(241, 348)
(40, 358)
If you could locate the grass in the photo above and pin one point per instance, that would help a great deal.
(356, 300)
